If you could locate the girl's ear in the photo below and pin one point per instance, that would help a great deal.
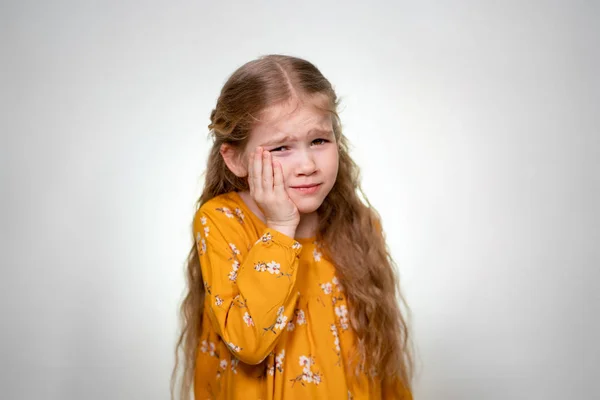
(234, 160)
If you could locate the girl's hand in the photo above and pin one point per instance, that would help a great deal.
(265, 178)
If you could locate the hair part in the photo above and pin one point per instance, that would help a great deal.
(349, 229)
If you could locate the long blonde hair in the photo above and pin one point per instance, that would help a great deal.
(349, 229)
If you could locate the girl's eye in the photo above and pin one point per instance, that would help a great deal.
(282, 148)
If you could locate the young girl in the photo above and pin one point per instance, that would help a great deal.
(292, 293)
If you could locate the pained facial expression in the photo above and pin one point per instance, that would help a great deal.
(301, 139)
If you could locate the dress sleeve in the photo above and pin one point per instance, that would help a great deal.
(250, 287)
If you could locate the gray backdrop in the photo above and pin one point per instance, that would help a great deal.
(475, 124)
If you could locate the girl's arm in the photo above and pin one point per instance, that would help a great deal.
(250, 291)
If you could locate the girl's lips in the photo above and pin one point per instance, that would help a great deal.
(307, 190)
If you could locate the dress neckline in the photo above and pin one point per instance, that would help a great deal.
(260, 222)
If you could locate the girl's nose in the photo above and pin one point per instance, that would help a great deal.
(306, 163)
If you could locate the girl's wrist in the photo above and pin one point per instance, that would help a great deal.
(285, 229)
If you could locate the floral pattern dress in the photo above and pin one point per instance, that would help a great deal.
(276, 323)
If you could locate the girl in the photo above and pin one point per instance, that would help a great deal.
(292, 293)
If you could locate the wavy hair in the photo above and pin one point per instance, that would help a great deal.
(349, 229)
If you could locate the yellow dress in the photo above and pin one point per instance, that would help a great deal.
(276, 323)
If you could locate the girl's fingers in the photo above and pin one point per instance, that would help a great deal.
(267, 172)
(278, 179)
(250, 173)
(257, 170)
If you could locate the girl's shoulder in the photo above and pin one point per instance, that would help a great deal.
(228, 212)
(224, 203)
(223, 207)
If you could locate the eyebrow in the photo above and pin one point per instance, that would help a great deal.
(288, 138)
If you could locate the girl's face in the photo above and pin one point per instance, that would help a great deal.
(302, 140)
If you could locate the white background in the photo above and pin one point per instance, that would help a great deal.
(475, 124)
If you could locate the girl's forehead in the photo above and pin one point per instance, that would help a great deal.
(292, 120)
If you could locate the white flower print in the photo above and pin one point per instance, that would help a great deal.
(271, 370)
(296, 245)
(212, 349)
(317, 255)
(204, 347)
(273, 268)
(203, 220)
(327, 288)
(206, 230)
(337, 284)
(239, 213)
(305, 362)
(218, 301)
(235, 348)
(316, 379)
(281, 322)
(248, 319)
(234, 249)
(336, 338)
(232, 276)
(266, 238)
(234, 364)
(226, 211)
(223, 364)
(336, 343)
(279, 361)
(234, 268)
(342, 313)
(290, 326)
(307, 376)
(201, 242)
(300, 319)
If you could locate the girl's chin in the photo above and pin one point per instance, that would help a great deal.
(305, 208)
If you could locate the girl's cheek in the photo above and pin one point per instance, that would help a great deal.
(283, 166)
(280, 159)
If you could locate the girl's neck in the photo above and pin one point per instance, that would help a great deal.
(307, 228)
